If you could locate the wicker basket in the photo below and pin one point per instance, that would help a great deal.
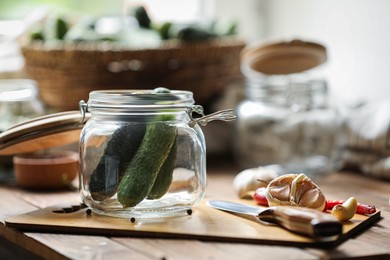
(66, 74)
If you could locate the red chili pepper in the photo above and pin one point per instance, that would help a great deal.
(260, 197)
(360, 209)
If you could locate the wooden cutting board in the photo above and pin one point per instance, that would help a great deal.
(205, 223)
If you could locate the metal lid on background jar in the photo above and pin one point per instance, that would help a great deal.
(42, 132)
(285, 57)
(17, 90)
(63, 128)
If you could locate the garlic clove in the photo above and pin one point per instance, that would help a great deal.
(281, 192)
(345, 211)
(314, 198)
(295, 190)
(246, 182)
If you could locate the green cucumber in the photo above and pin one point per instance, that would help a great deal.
(164, 177)
(163, 30)
(191, 33)
(118, 153)
(142, 17)
(37, 35)
(141, 173)
(61, 28)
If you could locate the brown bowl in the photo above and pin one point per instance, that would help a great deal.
(54, 170)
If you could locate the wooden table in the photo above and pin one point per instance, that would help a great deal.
(373, 243)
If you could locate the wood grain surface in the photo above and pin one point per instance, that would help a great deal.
(204, 223)
(373, 243)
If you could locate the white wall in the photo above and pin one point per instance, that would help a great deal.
(355, 32)
(249, 14)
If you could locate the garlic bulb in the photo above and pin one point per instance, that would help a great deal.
(246, 182)
(295, 190)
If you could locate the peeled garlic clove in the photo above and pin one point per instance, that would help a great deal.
(345, 211)
(295, 190)
(246, 182)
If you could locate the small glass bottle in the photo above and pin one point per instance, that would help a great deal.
(287, 120)
(19, 101)
(142, 154)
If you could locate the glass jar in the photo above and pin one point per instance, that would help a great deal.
(287, 120)
(19, 102)
(142, 154)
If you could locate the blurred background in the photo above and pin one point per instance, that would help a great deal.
(354, 32)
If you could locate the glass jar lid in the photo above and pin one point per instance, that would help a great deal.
(139, 99)
(149, 100)
(281, 58)
(17, 90)
(64, 128)
(42, 133)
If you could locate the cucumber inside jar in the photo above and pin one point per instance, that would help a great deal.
(140, 175)
(137, 163)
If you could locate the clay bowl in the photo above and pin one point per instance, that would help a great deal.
(49, 171)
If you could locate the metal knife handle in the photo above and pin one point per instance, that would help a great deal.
(303, 220)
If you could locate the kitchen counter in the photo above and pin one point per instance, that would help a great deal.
(372, 243)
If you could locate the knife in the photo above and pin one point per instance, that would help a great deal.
(305, 221)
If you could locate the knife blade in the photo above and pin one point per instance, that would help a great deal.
(300, 220)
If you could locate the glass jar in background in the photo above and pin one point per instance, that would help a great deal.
(287, 120)
(142, 154)
(19, 101)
